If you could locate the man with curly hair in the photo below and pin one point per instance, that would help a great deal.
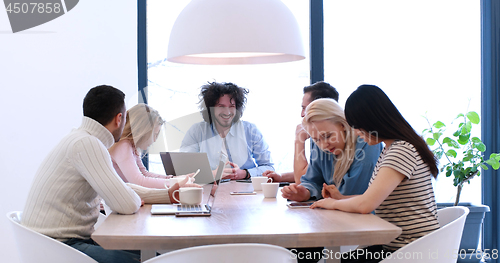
(222, 130)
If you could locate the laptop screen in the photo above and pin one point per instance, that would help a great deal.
(217, 177)
(180, 163)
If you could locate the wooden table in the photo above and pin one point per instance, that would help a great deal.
(244, 219)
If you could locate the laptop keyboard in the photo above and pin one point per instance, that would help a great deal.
(189, 208)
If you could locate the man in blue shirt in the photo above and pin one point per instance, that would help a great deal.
(222, 130)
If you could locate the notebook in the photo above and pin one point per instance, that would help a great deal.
(194, 210)
(180, 163)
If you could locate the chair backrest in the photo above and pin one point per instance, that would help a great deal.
(226, 253)
(35, 247)
(438, 246)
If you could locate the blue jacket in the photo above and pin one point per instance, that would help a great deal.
(355, 181)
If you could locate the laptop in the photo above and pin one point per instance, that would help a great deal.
(180, 163)
(194, 210)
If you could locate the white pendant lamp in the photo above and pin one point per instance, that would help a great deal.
(229, 32)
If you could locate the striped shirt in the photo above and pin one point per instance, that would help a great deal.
(64, 198)
(411, 206)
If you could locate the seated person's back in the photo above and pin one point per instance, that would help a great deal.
(64, 200)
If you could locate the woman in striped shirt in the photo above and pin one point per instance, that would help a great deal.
(400, 189)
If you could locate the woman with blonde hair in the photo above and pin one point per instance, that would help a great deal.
(338, 158)
(142, 127)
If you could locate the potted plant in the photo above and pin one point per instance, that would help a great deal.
(462, 157)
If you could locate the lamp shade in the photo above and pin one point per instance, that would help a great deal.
(227, 32)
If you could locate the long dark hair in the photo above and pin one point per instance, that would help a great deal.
(368, 108)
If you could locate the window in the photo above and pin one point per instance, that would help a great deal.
(274, 100)
(425, 55)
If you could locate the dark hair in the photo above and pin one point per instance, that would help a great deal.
(213, 91)
(321, 90)
(103, 103)
(368, 108)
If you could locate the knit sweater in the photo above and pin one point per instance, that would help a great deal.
(64, 198)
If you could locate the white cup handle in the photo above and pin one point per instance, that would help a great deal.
(166, 184)
(173, 195)
(269, 178)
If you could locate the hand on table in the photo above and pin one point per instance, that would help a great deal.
(272, 174)
(331, 191)
(233, 172)
(295, 192)
(327, 203)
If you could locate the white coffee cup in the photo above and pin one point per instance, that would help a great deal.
(270, 189)
(189, 195)
(258, 180)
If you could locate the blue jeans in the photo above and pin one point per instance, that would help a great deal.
(101, 255)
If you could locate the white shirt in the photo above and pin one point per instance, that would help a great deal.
(64, 198)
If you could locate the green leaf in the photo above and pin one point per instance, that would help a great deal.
(451, 143)
(436, 135)
(448, 173)
(476, 140)
(494, 163)
(468, 156)
(466, 128)
(463, 139)
(451, 153)
(439, 125)
(495, 156)
(456, 173)
(459, 115)
(473, 117)
(459, 130)
(484, 167)
(480, 146)
(430, 141)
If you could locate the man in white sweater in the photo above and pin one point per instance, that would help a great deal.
(64, 199)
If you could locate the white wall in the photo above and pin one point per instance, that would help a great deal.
(45, 73)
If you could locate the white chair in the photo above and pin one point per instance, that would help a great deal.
(225, 253)
(439, 246)
(35, 247)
